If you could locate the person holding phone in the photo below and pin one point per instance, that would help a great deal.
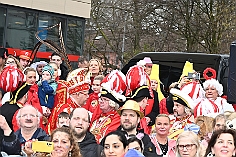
(63, 141)
(8, 141)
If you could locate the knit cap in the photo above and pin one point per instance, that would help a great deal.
(49, 69)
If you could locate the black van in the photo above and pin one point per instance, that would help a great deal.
(171, 65)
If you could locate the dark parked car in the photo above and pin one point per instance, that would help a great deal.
(171, 65)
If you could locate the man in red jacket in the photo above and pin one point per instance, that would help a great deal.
(77, 86)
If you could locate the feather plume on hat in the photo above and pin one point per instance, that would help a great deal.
(113, 86)
(136, 78)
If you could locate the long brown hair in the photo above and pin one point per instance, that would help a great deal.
(75, 152)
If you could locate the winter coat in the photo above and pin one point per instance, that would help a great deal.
(89, 147)
(64, 72)
(8, 110)
(9, 144)
(39, 134)
(46, 93)
(149, 148)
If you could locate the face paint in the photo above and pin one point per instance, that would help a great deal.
(62, 144)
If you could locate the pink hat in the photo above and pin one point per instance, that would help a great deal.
(147, 60)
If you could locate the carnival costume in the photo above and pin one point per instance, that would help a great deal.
(211, 107)
(178, 124)
(113, 85)
(77, 81)
(167, 150)
(139, 85)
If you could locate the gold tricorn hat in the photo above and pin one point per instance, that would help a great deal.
(131, 105)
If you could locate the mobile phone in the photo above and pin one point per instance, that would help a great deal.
(195, 76)
(42, 146)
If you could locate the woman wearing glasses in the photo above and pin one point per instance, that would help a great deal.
(222, 144)
(187, 145)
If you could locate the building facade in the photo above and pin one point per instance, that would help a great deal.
(20, 20)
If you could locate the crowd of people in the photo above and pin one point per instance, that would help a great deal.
(84, 113)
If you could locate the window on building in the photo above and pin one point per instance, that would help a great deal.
(45, 21)
(74, 44)
(2, 24)
(21, 27)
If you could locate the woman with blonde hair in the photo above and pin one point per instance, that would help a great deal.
(64, 144)
(164, 146)
(95, 68)
(188, 144)
(11, 60)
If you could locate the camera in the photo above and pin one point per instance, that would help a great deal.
(195, 76)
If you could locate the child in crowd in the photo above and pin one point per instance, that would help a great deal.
(63, 119)
(92, 101)
(47, 89)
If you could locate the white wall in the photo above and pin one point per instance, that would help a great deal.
(79, 8)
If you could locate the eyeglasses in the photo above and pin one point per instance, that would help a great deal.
(187, 146)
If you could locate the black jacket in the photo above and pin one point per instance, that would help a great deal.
(155, 109)
(64, 72)
(149, 148)
(9, 144)
(89, 146)
(8, 111)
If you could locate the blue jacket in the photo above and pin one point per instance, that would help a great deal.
(39, 134)
(46, 93)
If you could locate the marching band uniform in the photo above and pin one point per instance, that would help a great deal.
(60, 99)
(177, 125)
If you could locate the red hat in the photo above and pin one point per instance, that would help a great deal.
(138, 83)
(78, 80)
(113, 86)
(11, 78)
(25, 55)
